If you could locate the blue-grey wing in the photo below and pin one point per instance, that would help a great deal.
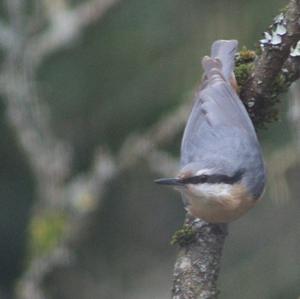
(217, 108)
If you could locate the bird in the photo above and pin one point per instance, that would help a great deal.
(222, 172)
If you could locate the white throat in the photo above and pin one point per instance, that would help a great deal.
(211, 190)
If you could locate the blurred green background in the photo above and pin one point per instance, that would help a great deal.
(140, 61)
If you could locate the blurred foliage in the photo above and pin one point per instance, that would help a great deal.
(45, 232)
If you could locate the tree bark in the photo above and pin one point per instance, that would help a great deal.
(265, 83)
(198, 263)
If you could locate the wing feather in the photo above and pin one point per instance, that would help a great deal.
(217, 106)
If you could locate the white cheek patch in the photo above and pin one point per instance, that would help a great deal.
(215, 190)
(207, 171)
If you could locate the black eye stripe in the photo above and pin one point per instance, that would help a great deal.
(214, 178)
(220, 178)
(195, 179)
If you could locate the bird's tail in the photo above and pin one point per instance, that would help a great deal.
(222, 59)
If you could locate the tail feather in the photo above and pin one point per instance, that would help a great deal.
(225, 51)
(212, 66)
(222, 58)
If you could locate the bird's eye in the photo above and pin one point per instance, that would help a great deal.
(202, 178)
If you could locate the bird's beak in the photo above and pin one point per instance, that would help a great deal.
(169, 181)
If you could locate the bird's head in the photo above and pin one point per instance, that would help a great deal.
(205, 182)
(217, 191)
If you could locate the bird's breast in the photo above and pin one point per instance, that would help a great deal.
(220, 209)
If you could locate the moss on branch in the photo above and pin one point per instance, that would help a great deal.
(267, 110)
(184, 236)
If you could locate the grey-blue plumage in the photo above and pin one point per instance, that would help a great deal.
(219, 133)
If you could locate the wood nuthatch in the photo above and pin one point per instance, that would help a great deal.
(223, 173)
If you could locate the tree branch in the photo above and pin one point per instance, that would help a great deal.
(198, 263)
(49, 157)
(260, 89)
(65, 26)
